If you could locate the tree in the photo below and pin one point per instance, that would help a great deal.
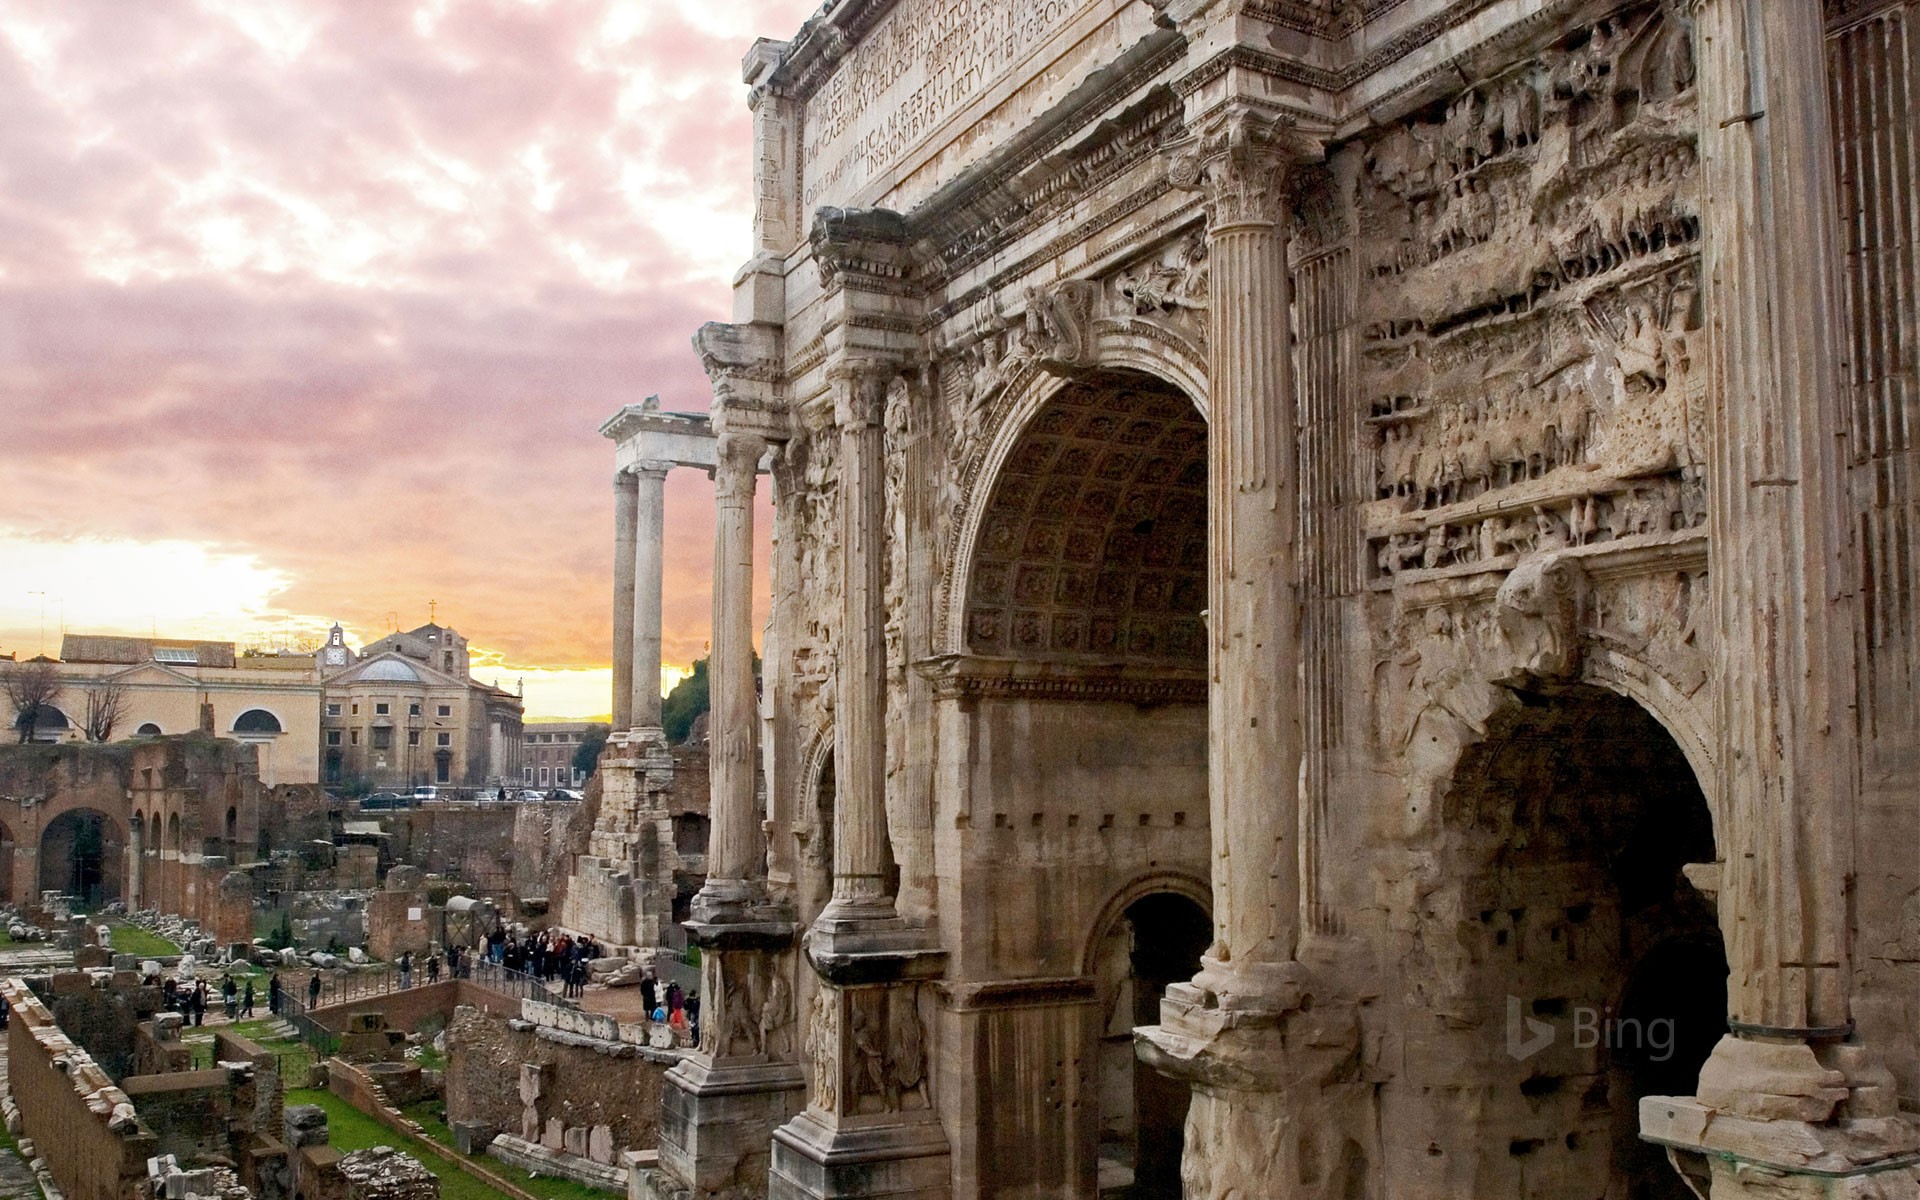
(106, 704)
(30, 688)
(688, 699)
(586, 756)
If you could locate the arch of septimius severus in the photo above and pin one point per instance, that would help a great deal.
(1344, 616)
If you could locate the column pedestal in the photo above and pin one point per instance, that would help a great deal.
(722, 1104)
(870, 1128)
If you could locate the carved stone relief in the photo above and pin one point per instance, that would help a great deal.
(1532, 375)
(868, 1050)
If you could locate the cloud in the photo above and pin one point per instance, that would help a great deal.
(344, 290)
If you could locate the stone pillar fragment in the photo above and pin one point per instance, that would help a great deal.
(1789, 1086)
(649, 533)
(624, 513)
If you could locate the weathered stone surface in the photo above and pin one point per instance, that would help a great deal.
(1245, 480)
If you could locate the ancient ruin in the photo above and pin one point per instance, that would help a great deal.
(1342, 618)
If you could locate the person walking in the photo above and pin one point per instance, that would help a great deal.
(230, 998)
(273, 993)
(406, 969)
(199, 1003)
(313, 991)
(433, 967)
(246, 999)
(649, 992)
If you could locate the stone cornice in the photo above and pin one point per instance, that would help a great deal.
(974, 677)
(866, 248)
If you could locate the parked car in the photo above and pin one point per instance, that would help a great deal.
(422, 795)
(384, 800)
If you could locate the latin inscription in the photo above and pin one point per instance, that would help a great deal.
(922, 61)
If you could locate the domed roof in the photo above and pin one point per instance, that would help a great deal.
(391, 670)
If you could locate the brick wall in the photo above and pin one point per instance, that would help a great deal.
(92, 1155)
(406, 1009)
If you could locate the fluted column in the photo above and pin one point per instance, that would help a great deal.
(1790, 1091)
(732, 871)
(1783, 675)
(1783, 668)
(650, 478)
(861, 852)
(1254, 649)
(624, 510)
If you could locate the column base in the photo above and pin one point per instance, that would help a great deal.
(1279, 1090)
(867, 942)
(813, 1160)
(735, 913)
(1784, 1120)
(717, 1119)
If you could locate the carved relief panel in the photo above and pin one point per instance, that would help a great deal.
(1531, 359)
(867, 1051)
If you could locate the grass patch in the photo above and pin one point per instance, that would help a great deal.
(6, 939)
(432, 1115)
(131, 939)
(349, 1129)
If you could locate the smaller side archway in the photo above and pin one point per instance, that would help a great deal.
(1151, 936)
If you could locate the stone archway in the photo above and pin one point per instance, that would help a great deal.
(82, 853)
(1078, 652)
(1570, 963)
(1155, 940)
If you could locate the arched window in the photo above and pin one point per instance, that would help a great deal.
(147, 729)
(257, 720)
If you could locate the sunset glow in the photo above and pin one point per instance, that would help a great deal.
(310, 310)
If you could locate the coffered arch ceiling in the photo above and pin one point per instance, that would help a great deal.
(1093, 546)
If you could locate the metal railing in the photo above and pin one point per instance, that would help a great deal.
(324, 1041)
(517, 985)
(514, 985)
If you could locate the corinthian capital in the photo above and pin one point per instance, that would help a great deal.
(736, 465)
(1239, 158)
(860, 391)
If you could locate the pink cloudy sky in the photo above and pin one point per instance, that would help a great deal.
(311, 309)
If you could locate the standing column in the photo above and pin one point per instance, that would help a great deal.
(1253, 572)
(861, 852)
(624, 503)
(1790, 1086)
(1784, 672)
(731, 867)
(650, 478)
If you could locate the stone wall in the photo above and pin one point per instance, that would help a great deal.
(628, 876)
(104, 1021)
(94, 1145)
(189, 1112)
(406, 1009)
(584, 1082)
